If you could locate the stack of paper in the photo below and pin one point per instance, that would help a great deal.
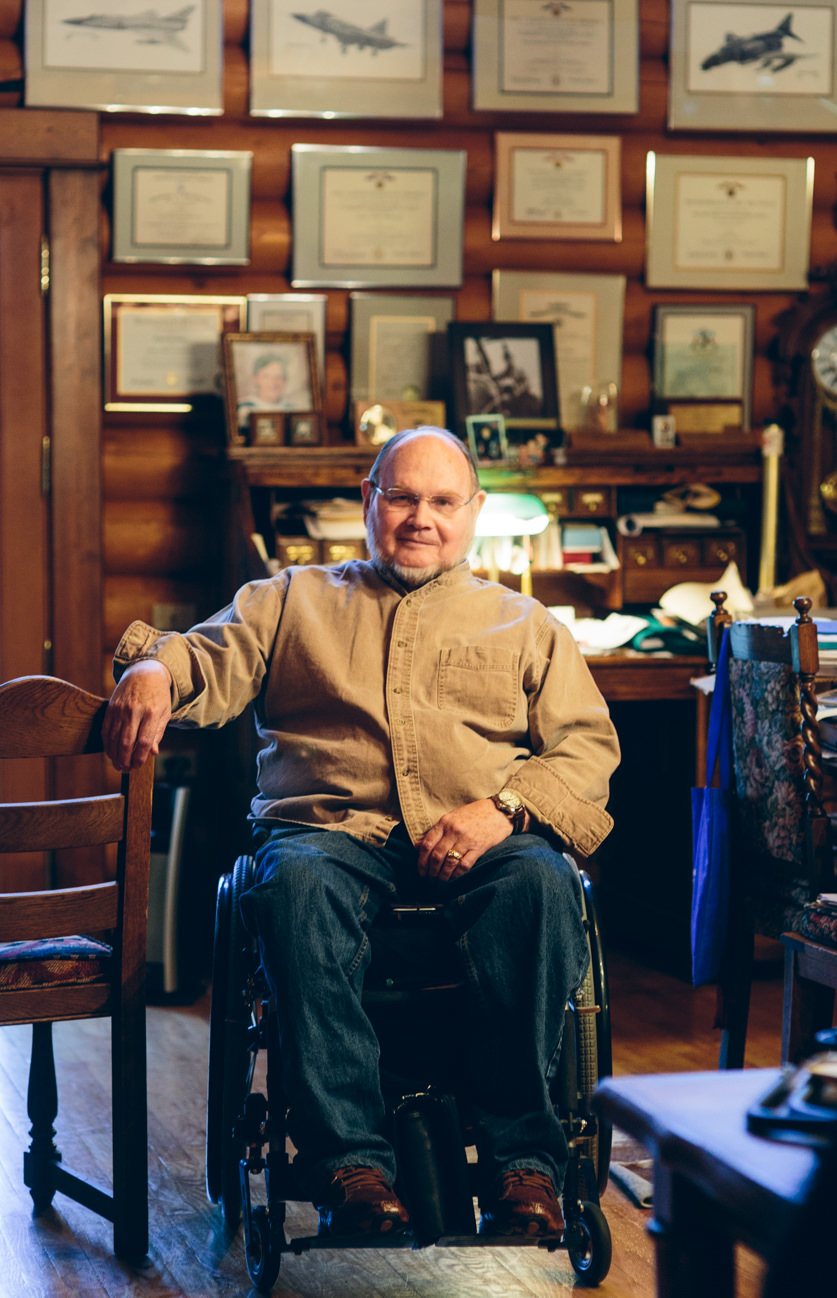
(587, 547)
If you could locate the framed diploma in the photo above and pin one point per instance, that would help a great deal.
(291, 313)
(557, 187)
(128, 59)
(586, 313)
(271, 374)
(181, 205)
(728, 222)
(367, 217)
(703, 355)
(752, 66)
(556, 57)
(399, 346)
(162, 352)
(353, 63)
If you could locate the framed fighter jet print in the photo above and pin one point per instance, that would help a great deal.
(126, 59)
(347, 60)
(752, 66)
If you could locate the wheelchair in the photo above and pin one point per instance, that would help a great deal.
(421, 1070)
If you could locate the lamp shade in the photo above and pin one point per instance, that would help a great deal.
(509, 513)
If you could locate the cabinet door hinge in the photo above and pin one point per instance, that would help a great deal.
(44, 265)
(46, 465)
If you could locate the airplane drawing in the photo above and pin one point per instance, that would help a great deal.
(765, 47)
(148, 27)
(374, 38)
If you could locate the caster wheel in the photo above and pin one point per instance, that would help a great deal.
(263, 1261)
(589, 1244)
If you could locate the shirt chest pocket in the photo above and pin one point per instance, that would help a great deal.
(479, 683)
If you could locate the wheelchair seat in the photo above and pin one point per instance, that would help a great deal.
(422, 1074)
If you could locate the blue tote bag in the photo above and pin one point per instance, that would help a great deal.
(711, 823)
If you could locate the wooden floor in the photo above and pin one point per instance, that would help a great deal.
(660, 1024)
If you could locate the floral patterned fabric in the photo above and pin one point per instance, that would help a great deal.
(770, 799)
(62, 960)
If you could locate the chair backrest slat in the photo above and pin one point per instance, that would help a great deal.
(25, 916)
(49, 826)
(42, 718)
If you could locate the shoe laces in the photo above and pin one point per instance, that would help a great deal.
(528, 1176)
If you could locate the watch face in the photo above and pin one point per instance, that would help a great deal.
(824, 360)
(511, 802)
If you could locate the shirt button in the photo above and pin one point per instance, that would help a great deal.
(402, 721)
(401, 643)
(397, 689)
(406, 772)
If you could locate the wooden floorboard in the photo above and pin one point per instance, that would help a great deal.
(660, 1024)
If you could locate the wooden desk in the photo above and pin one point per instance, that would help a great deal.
(714, 1183)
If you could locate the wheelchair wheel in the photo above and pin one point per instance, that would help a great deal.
(593, 1048)
(230, 1062)
(263, 1261)
(589, 1244)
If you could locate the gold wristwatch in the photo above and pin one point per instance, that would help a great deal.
(512, 806)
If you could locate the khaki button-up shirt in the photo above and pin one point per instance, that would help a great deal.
(377, 705)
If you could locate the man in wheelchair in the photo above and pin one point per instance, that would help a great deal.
(424, 731)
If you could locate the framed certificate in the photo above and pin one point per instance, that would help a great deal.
(399, 346)
(557, 187)
(752, 66)
(366, 217)
(181, 205)
(291, 313)
(728, 222)
(162, 352)
(532, 56)
(349, 63)
(127, 59)
(586, 313)
(703, 355)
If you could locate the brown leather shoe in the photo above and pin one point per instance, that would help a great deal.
(525, 1204)
(360, 1202)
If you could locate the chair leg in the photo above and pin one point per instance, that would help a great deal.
(42, 1157)
(130, 1133)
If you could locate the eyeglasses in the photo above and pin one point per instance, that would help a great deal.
(404, 502)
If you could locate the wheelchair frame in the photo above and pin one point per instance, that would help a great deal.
(241, 1121)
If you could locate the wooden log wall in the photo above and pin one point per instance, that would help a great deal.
(163, 536)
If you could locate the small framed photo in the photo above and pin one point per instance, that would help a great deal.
(127, 59)
(162, 351)
(487, 438)
(291, 313)
(703, 355)
(557, 187)
(181, 206)
(375, 217)
(271, 374)
(728, 222)
(305, 428)
(506, 369)
(266, 429)
(346, 63)
(553, 56)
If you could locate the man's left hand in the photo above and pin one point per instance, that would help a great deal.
(469, 832)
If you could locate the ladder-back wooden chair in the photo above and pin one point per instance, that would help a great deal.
(79, 952)
(781, 843)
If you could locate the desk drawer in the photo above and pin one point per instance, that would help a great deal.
(653, 562)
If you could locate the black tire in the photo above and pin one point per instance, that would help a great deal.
(263, 1260)
(602, 1022)
(217, 1040)
(589, 1245)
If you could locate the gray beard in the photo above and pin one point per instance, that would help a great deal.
(411, 578)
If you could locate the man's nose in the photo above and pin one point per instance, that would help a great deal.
(421, 515)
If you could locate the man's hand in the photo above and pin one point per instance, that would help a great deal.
(469, 831)
(137, 715)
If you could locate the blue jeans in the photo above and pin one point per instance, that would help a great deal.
(516, 919)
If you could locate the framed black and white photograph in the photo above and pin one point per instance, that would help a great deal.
(587, 316)
(728, 222)
(557, 187)
(553, 56)
(271, 373)
(399, 346)
(752, 66)
(181, 206)
(305, 428)
(505, 369)
(358, 59)
(126, 59)
(162, 352)
(703, 355)
(291, 313)
(375, 217)
(487, 439)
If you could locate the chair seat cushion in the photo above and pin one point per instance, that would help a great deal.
(818, 925)
(48, 961)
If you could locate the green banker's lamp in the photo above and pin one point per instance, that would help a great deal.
(510, 514)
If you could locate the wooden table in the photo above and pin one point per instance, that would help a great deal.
(714, 1183)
